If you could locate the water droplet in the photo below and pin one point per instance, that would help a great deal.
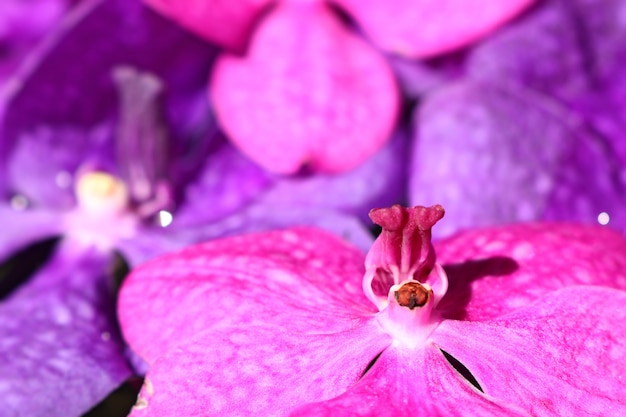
(604, 218)
(105, 336)
(19, 202)
(63, 179)
(165, 218)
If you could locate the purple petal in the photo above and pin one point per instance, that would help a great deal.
(44, 160)
(495, 271)
(304, 93)
(588, 38)
(547, 357)
(22, 228)
(256, 370)
(287, 276)
(409, 383)
(60, 352)
(377, 182)
(152, 242)
(85, 97)
(525, 52)
(426, 28)
(491, 156)
(23, 23)
(227, 182)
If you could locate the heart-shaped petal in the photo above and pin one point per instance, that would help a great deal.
(309, 92)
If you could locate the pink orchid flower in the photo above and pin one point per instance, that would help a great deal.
(291, 323)
(310, 91)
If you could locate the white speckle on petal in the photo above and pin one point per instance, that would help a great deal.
(604, 218)
(290, 237)
(165, 218)
(523, 250)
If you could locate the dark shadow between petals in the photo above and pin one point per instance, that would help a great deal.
(462, 275)
(17, 269)
(462, 370)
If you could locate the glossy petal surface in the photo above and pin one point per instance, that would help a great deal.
(309, 92)
(482, 141)
(60, 352)
(495, 271)
(257, 370)
(228, 23)
(548, 357)
(265, 269)
(429, 27)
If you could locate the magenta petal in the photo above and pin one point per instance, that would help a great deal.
(22, 228)
(256, 370)
(420, 28)
(306, 279)
(60, 352)
(225, 22)
(410, 383)
(559, 356)
(495, 271)
(308, 93)
(495, 155)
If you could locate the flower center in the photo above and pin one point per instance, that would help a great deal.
(110, 207)
(412, 294)
(402, 278)
(100, 192)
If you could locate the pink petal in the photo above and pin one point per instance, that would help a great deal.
(560, 356)
(309, 92)
(225, 22)
(420, 28)
(513, 266)
(256, 371)
(410, 383)
(302, 279)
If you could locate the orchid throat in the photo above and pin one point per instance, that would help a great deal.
(402, 278)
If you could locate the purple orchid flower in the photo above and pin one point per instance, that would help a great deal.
(291, 323)
(302, 93)
(118, 153)
(531, 124)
